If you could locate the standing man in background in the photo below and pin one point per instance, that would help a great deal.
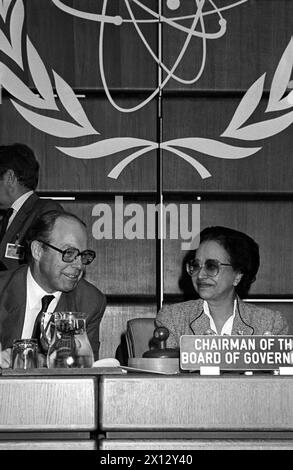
(19, 204)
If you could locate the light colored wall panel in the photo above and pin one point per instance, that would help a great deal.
(113, 325)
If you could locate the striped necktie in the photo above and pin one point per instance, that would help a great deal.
(46, 300)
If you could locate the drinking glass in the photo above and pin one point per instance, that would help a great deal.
(24, 354)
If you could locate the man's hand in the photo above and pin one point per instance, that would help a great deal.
(5, 358)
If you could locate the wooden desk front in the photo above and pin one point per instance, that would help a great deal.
(194, 412)
(134, 411)
(47, 412)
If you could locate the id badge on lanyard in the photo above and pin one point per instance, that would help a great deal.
(15, 250)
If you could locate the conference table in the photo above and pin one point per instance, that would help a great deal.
(110, 409)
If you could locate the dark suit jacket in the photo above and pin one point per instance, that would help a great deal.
(84, 298)
(32, 208)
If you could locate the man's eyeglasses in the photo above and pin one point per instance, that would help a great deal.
(70, 254)
(211, 267)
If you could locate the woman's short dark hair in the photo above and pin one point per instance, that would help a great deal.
(242, 250)
(21, 159)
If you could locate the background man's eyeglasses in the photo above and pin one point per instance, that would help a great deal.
(70, 254)
(211, 267)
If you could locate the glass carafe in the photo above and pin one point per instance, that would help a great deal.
(69, 345)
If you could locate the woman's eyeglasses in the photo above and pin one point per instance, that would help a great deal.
(211, 267)
(70, 254)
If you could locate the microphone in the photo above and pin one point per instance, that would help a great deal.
(160, 336)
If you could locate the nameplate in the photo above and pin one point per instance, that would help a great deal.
(236, 352)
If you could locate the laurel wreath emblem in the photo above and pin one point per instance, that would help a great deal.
(45, 99)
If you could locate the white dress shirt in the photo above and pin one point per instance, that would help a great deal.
(35, 293)
(18, 204)
(228, 325)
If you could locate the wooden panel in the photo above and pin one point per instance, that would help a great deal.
(194, 402)
(60, 172)
(73, 49)
(121, 266)
(47, 404)
(268, 170)
(48, 445)
(266, 222)
(196, 444)
(113, 327)
(256, 36)
(231, 61)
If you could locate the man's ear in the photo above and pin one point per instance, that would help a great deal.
(36, 250)
(10, 177)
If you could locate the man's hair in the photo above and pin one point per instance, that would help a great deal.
(42, 227)
(21, 159)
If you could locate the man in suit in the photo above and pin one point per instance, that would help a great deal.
(59, 254)
(19, 171)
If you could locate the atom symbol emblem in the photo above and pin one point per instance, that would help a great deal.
(170, 15)
(192, 25)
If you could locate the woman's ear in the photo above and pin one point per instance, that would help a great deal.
(237, 279)
(36, 250)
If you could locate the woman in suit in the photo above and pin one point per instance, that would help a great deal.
(222, 270)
